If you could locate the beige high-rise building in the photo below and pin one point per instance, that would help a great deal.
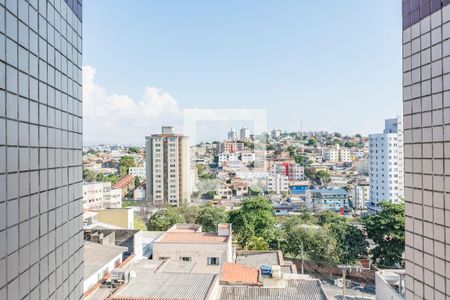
(168, 168)
(426, 109)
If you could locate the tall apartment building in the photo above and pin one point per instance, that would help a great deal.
(277, 183)
(386, 169)
(231, 146)
(426, 101)
(275, 134)
(244, 133)
(294, 171)
(41, 237)
(361, 195)
(232, 135)
(336, 154)
(168, 168)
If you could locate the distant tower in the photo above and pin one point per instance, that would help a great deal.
(386, 164)
(244, 133)
(167, 168)
(232, 135)
(275, 134)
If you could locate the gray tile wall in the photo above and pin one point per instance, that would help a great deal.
(41, 238)
(426, 109)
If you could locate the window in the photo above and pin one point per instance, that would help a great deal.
(163, 258)
(185, 258)
(213, 261)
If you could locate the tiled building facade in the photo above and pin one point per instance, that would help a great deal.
(41, 238)
(426, 108)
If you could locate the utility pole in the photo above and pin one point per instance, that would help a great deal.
(344, 269)
(302, 259)
(343, 283)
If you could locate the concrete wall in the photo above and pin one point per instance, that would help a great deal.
(122, 217)
(197, 251)
(384, 291)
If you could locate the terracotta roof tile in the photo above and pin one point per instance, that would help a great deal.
(235, 273)
(123, 182)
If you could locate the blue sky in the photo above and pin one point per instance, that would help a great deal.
(332, 65)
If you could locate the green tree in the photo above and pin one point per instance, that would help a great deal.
(257, 243)
(312, 142)
(163, 219)
(100, 177)
(210, 194)
(132, 150)
(137, 182)
(351, 241)
(337, 134)
(139, 224)
(112, 178)
(125, 163)
(255, 190)
(89, 175)
(387, 229)
(210, 216)
(189, 213)
(318, 243)
(302, 160)
(254, 218)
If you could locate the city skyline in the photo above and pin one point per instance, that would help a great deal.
(278, 59)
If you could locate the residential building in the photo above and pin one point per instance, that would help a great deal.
(98, 195)
(294, 171)
(361, 195)
(336, 154)
(139, 194)
(299, 187)
(333, 199)
(244, 133)
(331, 154)
(426, 117)
(41, 150)
(125, 184)
(277, 184)
(275, 134)
(187, 242)
(247, 157)
(225, 157)
(231, 146)
(340, 181)
(137, 171)
(233, 135)
(168, 168)
(386, 164)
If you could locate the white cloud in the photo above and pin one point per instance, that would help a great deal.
(114, 118)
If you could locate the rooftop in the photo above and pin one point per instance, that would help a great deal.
(239, 274)
(123, 182)
(256, 259)
(173, 266)
(185, 228)
(167, 286)
(295, 289)
(330, 191)
(97, 256)
(193, 237)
